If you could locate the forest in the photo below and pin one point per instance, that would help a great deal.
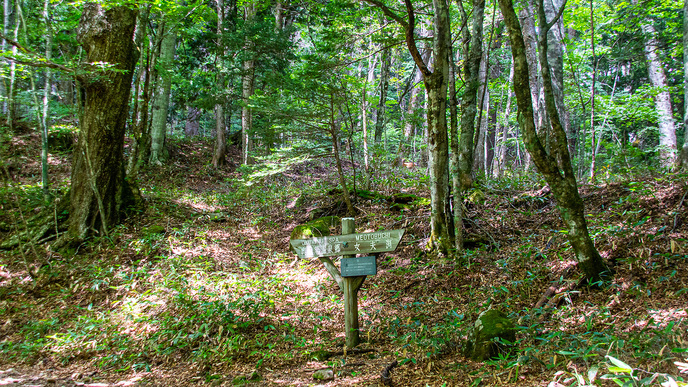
(344, 192)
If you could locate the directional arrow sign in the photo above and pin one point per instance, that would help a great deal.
(372, 242)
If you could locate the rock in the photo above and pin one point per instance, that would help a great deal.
(490, 326)
(154, 229)
(244, 379)
(315, 228)
(324, 374)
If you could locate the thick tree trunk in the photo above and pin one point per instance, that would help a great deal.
(384, 85)
(192, 126)
(438, 147)
(555, 167)
(161, 102)
(99, 192)
(667, 129)
(473, 47)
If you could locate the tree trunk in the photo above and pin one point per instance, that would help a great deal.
(384, 85)
(99, 192)
(683, 159)
(248, 87)
(457, 203)
(162, 98)
(45, 121)
(667, 129)
(192, 126)
(11, 108)
(5, 26)
(473, 47)
(438, 147)
(499, 171)
(555, 167)
(220, 140)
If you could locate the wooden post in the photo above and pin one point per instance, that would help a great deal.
(351, 285)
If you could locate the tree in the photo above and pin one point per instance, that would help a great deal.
(683, 157)
(473, 48)
(436, 83)
(220, 142)
(555, 165)
(99, 192)
(162, 96)
(658, 78)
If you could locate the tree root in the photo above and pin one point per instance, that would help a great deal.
(385, 377)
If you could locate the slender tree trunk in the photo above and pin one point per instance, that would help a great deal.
(667, 129)
(473, 47)
(7, 9)
(46, 103)
(220, 141)
(384, 85)
(501, 164)
(593, 160)
(99, 191)
(457, 204)
(11, 108)
(161, 102)
(334, 129)
(248, 87)
(683, 159)
(411, 109)
(555, 167)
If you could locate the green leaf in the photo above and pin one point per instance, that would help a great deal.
(621, 365)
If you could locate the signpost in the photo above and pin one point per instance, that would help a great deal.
(353, 269)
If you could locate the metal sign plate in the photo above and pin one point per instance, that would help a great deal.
(350, 244)
(358, 266)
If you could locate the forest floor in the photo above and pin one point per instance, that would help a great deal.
(201, 288)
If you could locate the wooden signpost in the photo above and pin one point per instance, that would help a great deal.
(354, 269)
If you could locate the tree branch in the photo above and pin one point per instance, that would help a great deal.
(41, 62)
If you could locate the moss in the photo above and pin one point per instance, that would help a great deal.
(491, 327)
(315, 228)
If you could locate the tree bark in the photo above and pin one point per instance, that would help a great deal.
(501, 164)
(45, 120)
(457, 202)
(248, 87)
(473, 47)
(683, 159)
(555, 167)
(220, 140)
(5, 25)
(667, 129)
(161, 102)
(384, 85)
(99, 192)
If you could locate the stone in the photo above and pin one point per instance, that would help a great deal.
(490, 326)
(154, 229)
(324, 374)
(315, 228)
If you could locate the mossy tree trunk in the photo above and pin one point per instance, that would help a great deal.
(473, 47)
(555, 165)
(99, 192)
